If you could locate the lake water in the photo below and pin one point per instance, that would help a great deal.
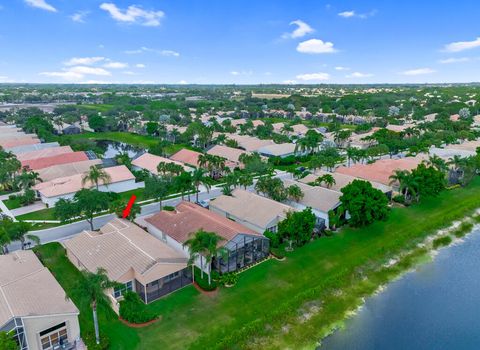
(113, 148)
(435, 307)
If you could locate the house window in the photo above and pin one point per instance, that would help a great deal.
(54, 337)
(172, 276)
(272, 229)
(119, 291)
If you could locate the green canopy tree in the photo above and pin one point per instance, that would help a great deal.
(364, 203)
(157, 187)
(297, 226)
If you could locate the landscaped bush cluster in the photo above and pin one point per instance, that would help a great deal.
(228, 279)
(91, 343)
(28, 197)
(399, 198)
(168, 208)
(133, 310)
(203, 282)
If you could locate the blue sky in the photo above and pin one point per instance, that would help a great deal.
(233, 41)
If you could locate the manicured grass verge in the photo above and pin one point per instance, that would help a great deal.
(12, 203)
(323, 280)
(44, 214)
(121, 337)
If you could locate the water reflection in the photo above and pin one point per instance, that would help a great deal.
(113, 148)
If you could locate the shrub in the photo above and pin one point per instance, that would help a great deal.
(328, 233)
(91, 343)
(12, 197)
(27, 198)
(168, 208)
(279, 252)
(230, 278)
(133, 310)
(203, 282)
(441, 242)
(273, 237)
(399, 198)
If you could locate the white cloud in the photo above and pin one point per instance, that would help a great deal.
(127, 72)
(418, 71)
(86, 61)
(243, 72)
(301, 30)
(359, 75)
(89, 70)
(462, 45)
(352, 13)
(115, 65)
(347, 14)
(313, 76)
(454, 60)
(182, 82)
(340, 68)
(4, 79)
(41, 4)
(315, 46)
(289, 82)
(67, 75)
(79, 16)
(140, 65)
(143, 49)
(133, 14)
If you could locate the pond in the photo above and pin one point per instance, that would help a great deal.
(435, 307)
(113, 148)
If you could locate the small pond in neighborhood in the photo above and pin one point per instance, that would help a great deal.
(434, 307)
(113, 148)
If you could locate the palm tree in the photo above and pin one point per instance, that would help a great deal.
(294, 193)
(327, 179)
(245, 180)
(27, 179)
(95, 175)
(94, 285)
(18, 231)
(124, 159)
(199, 178)
(408, 184)
(204, 244)
(352, 154)
(437, 162)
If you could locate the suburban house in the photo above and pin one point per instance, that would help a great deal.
(281, 150)
(43, 153)
(243, 245)
(249, 143)
(187, 157)
(466, 145)
(35, 147)
(232, 155)
(132, 257)
(7, 144)
(64, 170)
(381, 170)
(45, 162)
(33, 305)
(342, 180)
(298, 130)
(320, 200)
(251, 210)
(121, 180)
(150, 162)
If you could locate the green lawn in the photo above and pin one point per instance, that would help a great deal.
(44, 214)
(12, 203)
(269, 296)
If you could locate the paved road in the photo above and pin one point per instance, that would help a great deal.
(60, 233)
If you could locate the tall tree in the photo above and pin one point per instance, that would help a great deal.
(198, 179)
(95, 175)
(157, 187)
(94, 286)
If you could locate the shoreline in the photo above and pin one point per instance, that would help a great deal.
(430, 254)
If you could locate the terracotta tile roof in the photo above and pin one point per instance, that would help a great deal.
(342, 180)
(43, 153)
(63, 170)
(72, 184)
(150, 162)
(27, 288)
(467, 145)
(229, 153)
(251, 207)
(16, 136)
(186, 156)
(188, 218)
(316, 197)
(249, 143)
(34, 147)
(21, 142)
(124, 249)
(381, 170)
(46, 162)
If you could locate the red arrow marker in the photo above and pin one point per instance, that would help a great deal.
(126, 212)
